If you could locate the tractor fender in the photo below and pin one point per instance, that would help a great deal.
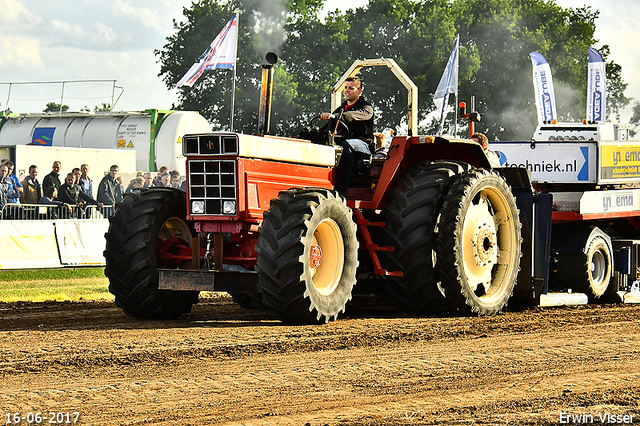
(573, 238)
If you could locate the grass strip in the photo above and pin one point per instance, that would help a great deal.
(54, 284)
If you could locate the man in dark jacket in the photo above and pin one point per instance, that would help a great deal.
(357, 114)
(53, 178)
(78, 175)
(71, 193)
(109, 190)
(50, 198)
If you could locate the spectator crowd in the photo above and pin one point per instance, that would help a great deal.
(76, 188)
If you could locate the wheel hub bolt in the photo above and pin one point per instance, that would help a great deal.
(485, 244)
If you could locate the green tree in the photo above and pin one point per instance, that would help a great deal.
(635, 119)
(504, 32)
(616, 100)
(6, 111)
(496, 38)
(404, 30)
(103, 107)
(54, 107)
(261, 30)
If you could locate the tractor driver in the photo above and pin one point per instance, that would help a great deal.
(357, 114)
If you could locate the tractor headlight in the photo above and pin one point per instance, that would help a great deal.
(197, 207)
(229, 207)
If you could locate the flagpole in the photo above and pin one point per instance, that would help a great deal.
(455, 107)
(233, 97)
(233, 82)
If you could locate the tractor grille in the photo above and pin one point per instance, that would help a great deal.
(214, 183)
(210, 144)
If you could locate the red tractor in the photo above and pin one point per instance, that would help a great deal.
(428, 227)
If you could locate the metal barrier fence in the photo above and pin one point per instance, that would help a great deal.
(47, 212)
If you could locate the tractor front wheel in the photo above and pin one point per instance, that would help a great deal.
(307, 255)
(147, 232)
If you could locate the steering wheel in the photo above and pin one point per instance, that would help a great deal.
(333, 129)
(338, 128)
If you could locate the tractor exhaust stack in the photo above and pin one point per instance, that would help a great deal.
(264, 114)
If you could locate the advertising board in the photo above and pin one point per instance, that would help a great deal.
(619, 162)
(551, 162)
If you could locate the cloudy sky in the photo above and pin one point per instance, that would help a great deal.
(55, 40)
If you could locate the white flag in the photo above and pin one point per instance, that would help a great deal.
(220, 54)
(448, 84)
(543, 88)
(596, 88)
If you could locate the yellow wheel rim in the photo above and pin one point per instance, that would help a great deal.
(489, 243)
(175, 227)
(326, 256)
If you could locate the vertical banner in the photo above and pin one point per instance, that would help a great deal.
(448, 84)
(596, 88)
(543, 89)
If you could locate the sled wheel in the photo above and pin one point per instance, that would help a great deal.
(410, 219)
(307, 255)
(145, 233)
(478, 244)
(588, 273)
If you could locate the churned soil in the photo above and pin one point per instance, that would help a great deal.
(222, 365)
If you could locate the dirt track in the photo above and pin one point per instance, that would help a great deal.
(224, 365)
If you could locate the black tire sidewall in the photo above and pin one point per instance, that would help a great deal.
(131, 255)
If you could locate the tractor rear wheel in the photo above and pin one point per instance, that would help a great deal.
(144, 233)
(478, 244)
(307, 255)
(411, 218)
(590, 273)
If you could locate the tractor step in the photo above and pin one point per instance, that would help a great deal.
(372, 248)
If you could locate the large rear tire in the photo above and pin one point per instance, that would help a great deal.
(478, 244)
(410, 219)
(249, 301)
(307, 255)
(143, 226)
(588, 272)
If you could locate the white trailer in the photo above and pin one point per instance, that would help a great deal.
(155, 136)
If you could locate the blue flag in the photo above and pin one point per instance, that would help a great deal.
(543, 88)
(596, 88)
